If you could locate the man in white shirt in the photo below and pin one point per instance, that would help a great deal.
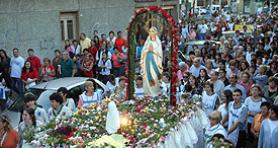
(58, 111)
(196, 67)
(17, 63)
(202, 29)
(237, 119)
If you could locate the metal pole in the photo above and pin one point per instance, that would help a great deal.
(210, 6)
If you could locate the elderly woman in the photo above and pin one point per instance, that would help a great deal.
(182, 71)
(271, 90)
(246, 82)
(8, 136)
(89, 96)
(215, 127)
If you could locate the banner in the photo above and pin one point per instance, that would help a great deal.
(250, 28)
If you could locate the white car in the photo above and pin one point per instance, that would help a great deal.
(75, 85)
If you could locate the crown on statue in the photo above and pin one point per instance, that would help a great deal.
(153, 30)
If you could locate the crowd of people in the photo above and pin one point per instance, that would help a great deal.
(236, 78)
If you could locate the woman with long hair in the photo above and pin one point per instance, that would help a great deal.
(210, 100)
(225, 99)
(4, 67)
(192, 86)
(29, 123)
(203, 77)
(243, 67)
(105, 66)
(8, 136)
(29, 76)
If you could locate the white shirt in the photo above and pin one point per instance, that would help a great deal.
(88, 100)
(203, 28)
(77, 50)
(41, 115)
(196, 70)
(17, 63)
(139, 93)
(99, 55)
(70, 104)
(218, 87)
(209, 102)
(223, 111)
(273, 124)
(216, 129)
(110, 86)
(253, 106)
(165, 88)
(108, 66)
(235, 114)
(62, 112)
(248, 57)
(111, 41)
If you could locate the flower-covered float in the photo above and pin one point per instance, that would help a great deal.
(142, 123)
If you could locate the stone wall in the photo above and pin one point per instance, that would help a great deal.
(35, 23)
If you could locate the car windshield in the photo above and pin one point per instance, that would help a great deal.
(43, 97)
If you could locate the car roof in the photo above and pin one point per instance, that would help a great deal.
(200, 42)
(68, 82)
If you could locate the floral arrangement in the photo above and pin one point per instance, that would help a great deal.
(221, 143)
(144, 123)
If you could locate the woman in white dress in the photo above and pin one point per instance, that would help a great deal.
(210, 100)
(253, 105)
(226, 98)
(151, 64)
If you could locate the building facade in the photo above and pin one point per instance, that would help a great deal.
(44, 24)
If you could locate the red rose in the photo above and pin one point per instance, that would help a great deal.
(69, 136)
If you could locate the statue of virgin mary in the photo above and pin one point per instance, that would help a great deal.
(151, 64)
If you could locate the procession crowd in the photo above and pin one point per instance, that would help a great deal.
(234, 78)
